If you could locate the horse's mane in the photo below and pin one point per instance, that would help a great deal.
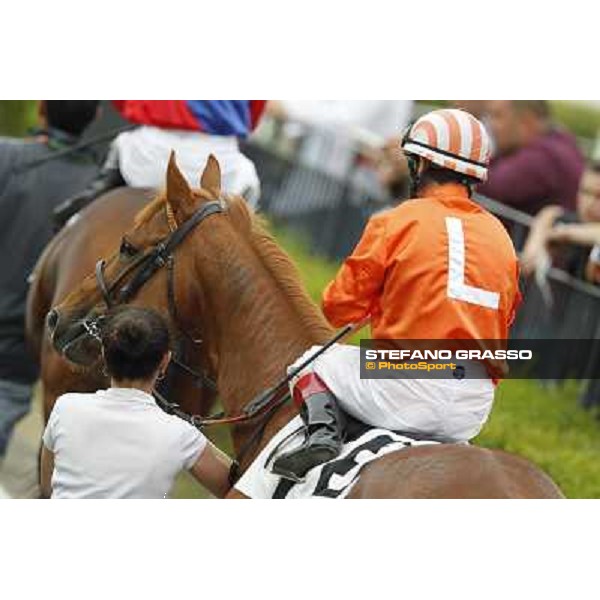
(276, 261)
(279, 265)
(150, 209)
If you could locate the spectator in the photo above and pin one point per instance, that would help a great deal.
(478, 108)
(554, 226)
(27, 198)
(586, 235)
(536, 164)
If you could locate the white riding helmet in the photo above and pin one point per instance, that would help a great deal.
(453, 139)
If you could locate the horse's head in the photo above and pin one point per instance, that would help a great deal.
(142, 271)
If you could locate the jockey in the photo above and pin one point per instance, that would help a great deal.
(194, 129)
(438, 267)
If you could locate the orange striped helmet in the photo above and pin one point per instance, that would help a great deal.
(453, 139)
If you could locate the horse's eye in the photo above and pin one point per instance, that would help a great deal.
(127, 248)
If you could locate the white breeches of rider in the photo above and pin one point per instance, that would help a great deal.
(449, 410)
(143, 155)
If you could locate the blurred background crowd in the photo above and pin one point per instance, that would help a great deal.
(546, 164)
(321, 169)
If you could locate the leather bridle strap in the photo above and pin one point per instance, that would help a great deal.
(153, 261)
(148, 264)
(101, 281)
(159, 256)
(206, 210)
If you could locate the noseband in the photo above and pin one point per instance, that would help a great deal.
(144, 267)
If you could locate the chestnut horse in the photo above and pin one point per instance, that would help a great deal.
(246, 300)
(68, 258)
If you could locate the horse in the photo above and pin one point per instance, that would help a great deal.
(67, 259)
(244, 297)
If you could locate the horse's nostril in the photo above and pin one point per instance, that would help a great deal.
(52, 320)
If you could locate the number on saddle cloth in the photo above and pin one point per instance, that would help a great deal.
(361, 447)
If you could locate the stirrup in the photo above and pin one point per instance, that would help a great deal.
(287, 475)
(298, 456)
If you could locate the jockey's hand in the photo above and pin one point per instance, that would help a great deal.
(362, 323)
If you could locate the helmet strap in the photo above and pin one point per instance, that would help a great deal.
(414, 164)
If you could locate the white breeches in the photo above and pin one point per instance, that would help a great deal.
(143, 155)
(449, 410)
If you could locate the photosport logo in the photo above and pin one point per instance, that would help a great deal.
(473, 359)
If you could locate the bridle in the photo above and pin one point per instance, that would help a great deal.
(141, 270)
(144, 267)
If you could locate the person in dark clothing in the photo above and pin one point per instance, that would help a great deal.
(535, 164)
(28, 197)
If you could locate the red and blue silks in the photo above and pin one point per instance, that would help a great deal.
(215, 117)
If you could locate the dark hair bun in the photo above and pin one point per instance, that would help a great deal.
(131, 337)
(134, 341)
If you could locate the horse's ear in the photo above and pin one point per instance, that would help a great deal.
(211, 176)
(179, 193)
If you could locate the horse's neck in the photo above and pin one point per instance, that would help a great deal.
(253, 329)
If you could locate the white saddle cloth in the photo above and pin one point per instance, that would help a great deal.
(330, 480)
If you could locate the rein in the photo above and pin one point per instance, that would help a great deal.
(268, 399)
(263, 406)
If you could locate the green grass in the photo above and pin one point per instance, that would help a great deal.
(548, 427)
(17, 116)
(545, 426)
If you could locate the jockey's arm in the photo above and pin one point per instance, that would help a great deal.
(212, 470)
(354, 293)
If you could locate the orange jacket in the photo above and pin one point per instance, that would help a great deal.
(440, 267)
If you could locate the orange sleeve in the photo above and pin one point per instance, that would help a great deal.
(354, 292)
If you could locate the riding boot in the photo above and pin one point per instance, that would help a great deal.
(324, 430)
(107, 179)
